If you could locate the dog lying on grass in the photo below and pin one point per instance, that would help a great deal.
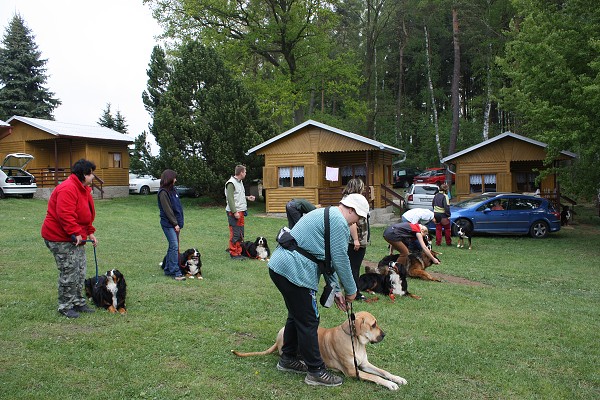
(336, 350)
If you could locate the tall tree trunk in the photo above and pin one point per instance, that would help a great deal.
(488, 99)
(433, 106)
(455, 84)
(402, 39)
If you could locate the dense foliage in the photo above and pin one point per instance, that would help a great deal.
(204, 122)
(429, 76)
(23, 75)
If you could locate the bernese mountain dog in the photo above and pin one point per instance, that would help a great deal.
(389, 278)
(108, 292)
(190, 263)
(258, 249)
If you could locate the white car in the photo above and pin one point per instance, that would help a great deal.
(143, 184)
(420, 195)
(14, 180)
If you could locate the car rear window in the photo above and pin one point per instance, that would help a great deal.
(425, 190)
(526, 204)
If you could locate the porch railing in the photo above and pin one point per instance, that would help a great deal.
(392, 198)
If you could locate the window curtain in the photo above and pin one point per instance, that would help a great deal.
(284, 172)
(298, 172)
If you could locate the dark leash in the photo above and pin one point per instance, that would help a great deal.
(351, 322)
(95, 257)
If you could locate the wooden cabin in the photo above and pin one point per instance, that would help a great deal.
(314, 161)
(505, 163)
(57, 145)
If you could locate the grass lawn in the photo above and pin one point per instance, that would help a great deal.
(527, 328)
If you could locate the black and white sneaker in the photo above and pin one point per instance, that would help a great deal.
(322, 378)
(292, 365)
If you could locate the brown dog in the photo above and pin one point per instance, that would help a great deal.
(336, 350)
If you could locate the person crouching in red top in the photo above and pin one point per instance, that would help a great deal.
(67, 224)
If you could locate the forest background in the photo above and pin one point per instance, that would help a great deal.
(431, 77)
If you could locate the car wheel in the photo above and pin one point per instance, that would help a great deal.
(28, 196)
(405, 184)
(1, 194)
(539, 230)
(145, 190)
(464, 223)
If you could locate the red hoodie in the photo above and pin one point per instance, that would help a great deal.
(70, 212)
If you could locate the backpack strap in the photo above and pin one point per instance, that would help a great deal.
(327, 235)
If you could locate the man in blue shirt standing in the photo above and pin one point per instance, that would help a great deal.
(297, 278)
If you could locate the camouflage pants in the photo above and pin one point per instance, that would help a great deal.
(72, 265)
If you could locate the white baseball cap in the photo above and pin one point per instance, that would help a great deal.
(358, 202)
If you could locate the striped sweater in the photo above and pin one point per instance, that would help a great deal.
(309, 233)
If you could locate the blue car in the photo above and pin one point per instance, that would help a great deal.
(506, 213)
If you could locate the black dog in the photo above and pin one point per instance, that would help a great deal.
(258, 249)
(109, 292)
(389, 278)
(463, 231)
(190, 263)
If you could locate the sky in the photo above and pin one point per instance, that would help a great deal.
(97, 52)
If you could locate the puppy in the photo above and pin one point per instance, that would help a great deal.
(190, 263)
(109, 292)
(262, 248)
(336, 350)
(463, 232)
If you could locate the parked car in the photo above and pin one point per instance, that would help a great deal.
(187, 191)
(404, 177)
(143, 184)
(14, 180)
(420, 195)
(507, 213)
(434, 175)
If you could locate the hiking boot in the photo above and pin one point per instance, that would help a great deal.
(69, 313)
(84, 308)
(322, 378)
(292, 365)
(179, 278)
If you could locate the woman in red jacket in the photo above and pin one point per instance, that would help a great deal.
(68, 223)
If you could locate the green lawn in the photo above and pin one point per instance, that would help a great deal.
(528, 328)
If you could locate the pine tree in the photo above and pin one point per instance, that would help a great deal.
(106, 119)
(23, 75)
(158, 78)
(120, 124)
(206, 121)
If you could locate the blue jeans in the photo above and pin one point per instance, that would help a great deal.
(171, 260)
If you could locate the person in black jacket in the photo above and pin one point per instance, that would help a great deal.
(171, 222)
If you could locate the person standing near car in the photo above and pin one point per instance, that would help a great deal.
(171, 222)
(441, 213)
(236, 209)
(67, 225)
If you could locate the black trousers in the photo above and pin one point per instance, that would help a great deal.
(356, 258)
(300, 337)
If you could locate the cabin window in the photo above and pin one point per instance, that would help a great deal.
(291, 176)
(354, 171)
(114, 160)
(482, 183)
(526, 181)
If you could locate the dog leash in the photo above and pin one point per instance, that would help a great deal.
(351, 321)
(95, 258)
